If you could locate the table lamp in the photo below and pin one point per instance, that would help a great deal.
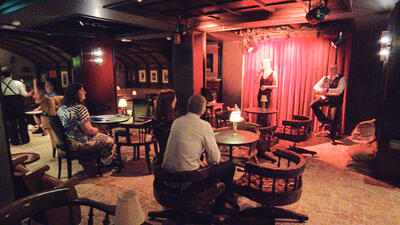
(134, 93)
(128, 211)
(263, 100)
(235, 118)
(123, 104)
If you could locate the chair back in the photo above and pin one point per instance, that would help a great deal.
(297, 130)
(59, 133)
(271, 184)
(185, 189)
(35, 204)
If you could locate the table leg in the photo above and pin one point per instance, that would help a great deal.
(230, 152)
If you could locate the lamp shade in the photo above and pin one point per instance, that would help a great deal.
(128, 211)
(118, 88)
(134, 92)
(264, 98)
(122, 103)
(235, 116)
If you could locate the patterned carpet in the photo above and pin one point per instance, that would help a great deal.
(332, 193)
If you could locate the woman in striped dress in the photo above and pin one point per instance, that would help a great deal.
(75, 119)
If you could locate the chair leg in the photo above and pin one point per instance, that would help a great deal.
(59, 167)
(137, 152)
(118, 149)
(69, 167)
(98, 165)
(301, 150)
(156, 147)
(54, 152)
(280, 213)
(147, 150)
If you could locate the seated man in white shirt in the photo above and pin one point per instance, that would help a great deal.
(190, 137)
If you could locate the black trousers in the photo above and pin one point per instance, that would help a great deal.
(316, 107)
(224, 172)
(14, 117)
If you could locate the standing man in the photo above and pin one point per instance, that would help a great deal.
(13, 107)
(330, 91)
(190, 137)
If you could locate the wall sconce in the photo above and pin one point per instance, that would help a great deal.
(123, 104)
(98, 53)
(235, 118)
(128, 211)
(337, 41)
(386, 44)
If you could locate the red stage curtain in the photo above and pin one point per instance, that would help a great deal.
(300, 63)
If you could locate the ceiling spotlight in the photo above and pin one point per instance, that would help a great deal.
(248, 46)
(139, 0)
(81, 23)
(181, 29)
(317, 14)
(337, 41)
(8, 27)
(168, 38)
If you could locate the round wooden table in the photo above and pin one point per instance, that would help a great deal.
(109, 120)
(32, 156)
(243, 138)
(261, 112)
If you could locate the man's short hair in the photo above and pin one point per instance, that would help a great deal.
(5, 72)
(196, 104)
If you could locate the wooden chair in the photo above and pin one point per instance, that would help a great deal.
(64, 151)
(185, 192)
(271, 185)
(222, 118)
(297, 130)
(33, 205)
(143, 137)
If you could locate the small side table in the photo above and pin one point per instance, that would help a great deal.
(261, 112)
(243, 138)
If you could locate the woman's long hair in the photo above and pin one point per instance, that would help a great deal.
(164, 108)
(71, 96)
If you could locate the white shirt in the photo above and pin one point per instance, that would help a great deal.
(17, 86)
(188, 139)
(324, 83)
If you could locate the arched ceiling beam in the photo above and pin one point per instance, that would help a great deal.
(17, 48)
(127, 57)
(151, 56)
(21, 46)
(32, 44)
(135, 54)
(35, 62)
(54, 50)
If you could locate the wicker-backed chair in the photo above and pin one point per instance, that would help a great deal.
(272, 185)
(185, 192)
(297, 130)
(143, 137)
(37, 204)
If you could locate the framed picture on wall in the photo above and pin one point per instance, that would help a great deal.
(153, 76)
(165, 76)
(64, 79)
(142, 76)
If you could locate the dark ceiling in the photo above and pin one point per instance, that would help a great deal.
(55, 27)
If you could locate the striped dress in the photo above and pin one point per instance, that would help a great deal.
(71, 118)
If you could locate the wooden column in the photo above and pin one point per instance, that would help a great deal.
(188, 70)
(99, 78)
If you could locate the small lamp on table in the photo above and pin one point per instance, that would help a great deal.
(235, 118)
(264, 101)
(123, 104)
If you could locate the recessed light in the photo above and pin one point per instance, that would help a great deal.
(16, 23)
(126, 40)
(139, 0)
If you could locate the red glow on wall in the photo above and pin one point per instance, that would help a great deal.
(98, 78)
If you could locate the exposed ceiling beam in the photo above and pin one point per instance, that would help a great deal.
(274, 22)
(264, 6)
(300, 2)
(52, 9)
(224, 8)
